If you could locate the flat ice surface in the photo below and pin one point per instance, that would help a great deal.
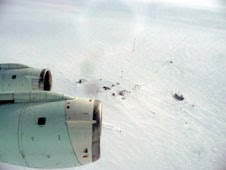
(152, 49)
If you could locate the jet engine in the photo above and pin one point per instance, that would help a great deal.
(43, 129)
(18, 77)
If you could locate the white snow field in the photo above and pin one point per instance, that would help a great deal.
(151, 49)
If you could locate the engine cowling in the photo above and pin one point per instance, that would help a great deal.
(84, 119)
(18, 77)
(63, 132)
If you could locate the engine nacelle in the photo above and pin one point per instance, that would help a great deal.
(49, 130)
(43, 129)
(18, 77)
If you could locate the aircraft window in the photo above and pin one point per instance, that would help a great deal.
(13, 76)
(41, 121)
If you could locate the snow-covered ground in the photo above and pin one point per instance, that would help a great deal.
(151, 49)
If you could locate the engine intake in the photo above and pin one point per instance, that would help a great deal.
(97, 117)
(45, 81)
